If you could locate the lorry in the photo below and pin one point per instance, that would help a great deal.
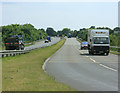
(69, 35)
(49, 39)
(15, 42)
(98, 41)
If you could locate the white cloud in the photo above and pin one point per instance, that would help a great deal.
(59, 0)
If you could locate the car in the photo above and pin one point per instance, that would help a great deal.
(46, 41)
(84, 45)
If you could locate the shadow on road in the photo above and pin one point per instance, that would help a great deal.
(86, 54)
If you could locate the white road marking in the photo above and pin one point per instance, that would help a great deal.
(107, 67)
(99, 63)
(93, 60)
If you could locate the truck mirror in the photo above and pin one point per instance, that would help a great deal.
(110, 40)
(90, 40)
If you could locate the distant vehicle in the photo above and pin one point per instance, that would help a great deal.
(84, 45)
(98, 41)
(15, 42)
(69, 35)
(49, 39)
(46, 41)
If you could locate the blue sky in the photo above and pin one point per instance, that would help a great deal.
(59, 15)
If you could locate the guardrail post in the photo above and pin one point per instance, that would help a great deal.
(10, 54)
(6, 55)
(13, 54)
(2, 55)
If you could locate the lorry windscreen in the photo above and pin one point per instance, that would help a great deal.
(101, 40)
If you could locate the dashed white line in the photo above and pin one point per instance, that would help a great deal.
(102, 65)
(99, 63)
(107, 67)
(93, 60)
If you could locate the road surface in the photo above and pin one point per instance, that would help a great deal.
(81, 71)
(43, 44)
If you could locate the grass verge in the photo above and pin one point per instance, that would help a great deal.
(24, 72)
(115, 52)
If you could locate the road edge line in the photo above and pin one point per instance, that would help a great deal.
(44, 65)
(47, 60)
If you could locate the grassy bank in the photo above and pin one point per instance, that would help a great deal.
(115, 52)
(24, 72)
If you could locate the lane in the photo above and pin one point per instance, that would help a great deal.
(71, 67)
(42, 44)
(111, 60)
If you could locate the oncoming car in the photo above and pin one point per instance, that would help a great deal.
(84, 45)
(46, 41)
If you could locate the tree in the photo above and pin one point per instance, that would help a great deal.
(27, 30)
(74, 33)
(92, 27)
(50, 31)
(116, 29)
(65, 31)
(59, 33)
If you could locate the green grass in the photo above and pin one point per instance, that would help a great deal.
(115, 52)
(24, 72)
(79, 40)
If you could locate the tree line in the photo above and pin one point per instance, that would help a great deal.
(30, 33)
(82, 33)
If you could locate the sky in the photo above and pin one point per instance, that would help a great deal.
(119, 14)
(59, 15)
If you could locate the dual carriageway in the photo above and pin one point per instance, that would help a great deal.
(78, 69)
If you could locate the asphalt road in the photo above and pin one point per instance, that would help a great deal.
(82, 71)
(43, 44)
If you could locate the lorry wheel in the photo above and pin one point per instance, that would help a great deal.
(107, 54)
(92, 53)
(22, 48)
(17, 48)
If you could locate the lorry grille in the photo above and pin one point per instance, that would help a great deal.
(101, 47)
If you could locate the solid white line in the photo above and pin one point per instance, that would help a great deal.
(107, 67)
(44, 65)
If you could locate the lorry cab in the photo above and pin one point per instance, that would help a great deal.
(98, 41)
